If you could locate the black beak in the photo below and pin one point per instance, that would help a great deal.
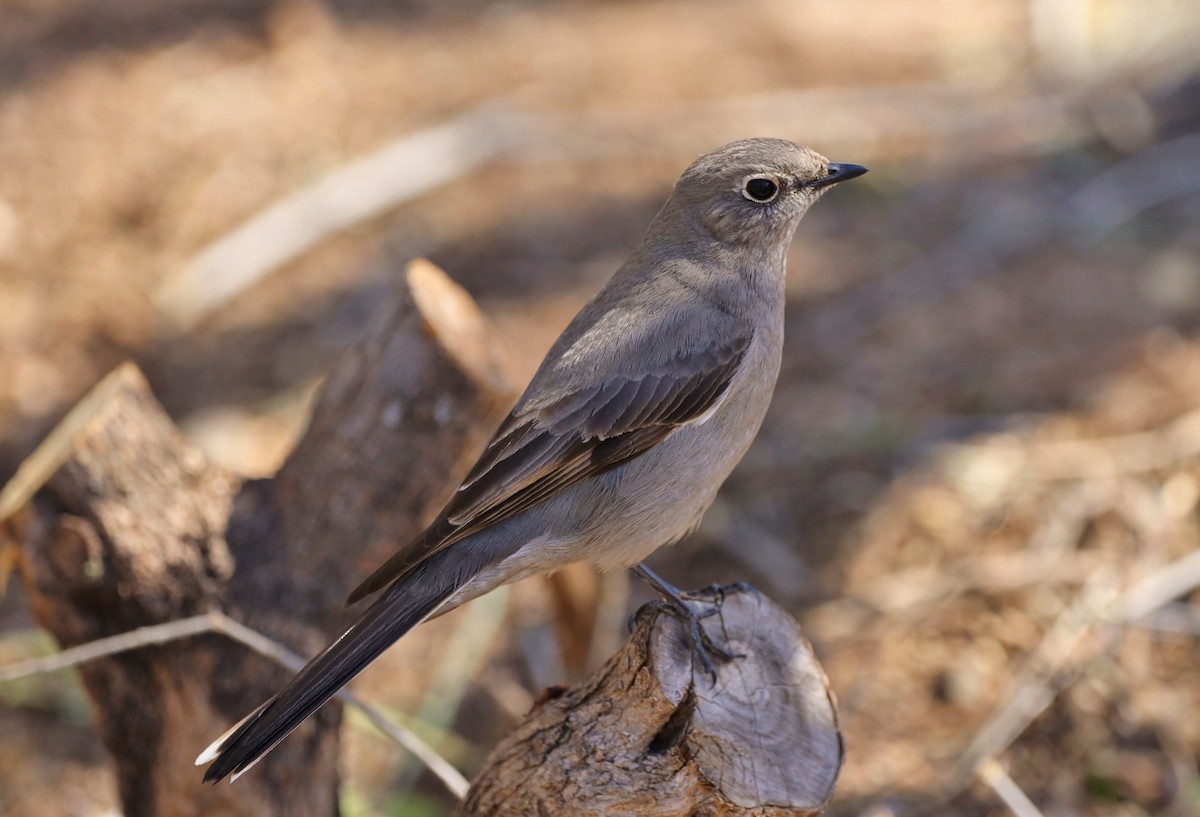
(839, 172)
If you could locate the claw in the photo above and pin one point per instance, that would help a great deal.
(675, 602)
(704, 648)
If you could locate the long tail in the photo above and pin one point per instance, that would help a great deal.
(403, 606)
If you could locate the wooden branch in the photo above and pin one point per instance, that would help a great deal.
(650, 736)
(122, 524)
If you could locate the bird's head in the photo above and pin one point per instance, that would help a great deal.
(754, 191)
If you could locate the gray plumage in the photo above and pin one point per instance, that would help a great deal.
(632, 422)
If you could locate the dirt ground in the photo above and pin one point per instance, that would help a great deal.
(978, 485)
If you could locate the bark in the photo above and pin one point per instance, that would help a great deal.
(651, 735)
(120, 523)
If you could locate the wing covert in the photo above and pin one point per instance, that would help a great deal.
(538, 452)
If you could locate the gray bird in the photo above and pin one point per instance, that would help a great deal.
(636, 416)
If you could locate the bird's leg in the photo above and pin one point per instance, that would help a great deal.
(676, 601)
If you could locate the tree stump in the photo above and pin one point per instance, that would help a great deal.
(120, 523)
(652, 735)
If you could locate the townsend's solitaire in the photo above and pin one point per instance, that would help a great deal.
(636, 416)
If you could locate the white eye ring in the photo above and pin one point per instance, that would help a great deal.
(760, 189)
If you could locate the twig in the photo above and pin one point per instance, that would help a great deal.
(1151, 177)
(993, 774)
(1163, 585)
(360, 190)
(451, 778)
(218, 622)
(102, 647)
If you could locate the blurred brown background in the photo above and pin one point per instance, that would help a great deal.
(978, 482)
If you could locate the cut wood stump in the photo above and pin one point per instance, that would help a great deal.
(651, 734)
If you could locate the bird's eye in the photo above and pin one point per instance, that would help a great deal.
(760, 189)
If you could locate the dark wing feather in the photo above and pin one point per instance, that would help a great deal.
(538, 453)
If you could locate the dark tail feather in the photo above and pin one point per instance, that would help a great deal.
(402, 607)
(401, 561)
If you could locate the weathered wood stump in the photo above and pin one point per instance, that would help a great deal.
(651, 734)
(120, 523)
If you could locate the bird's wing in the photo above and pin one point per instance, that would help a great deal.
(542, 448)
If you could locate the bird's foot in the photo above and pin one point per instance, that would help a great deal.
(679, 604)
(704, 648)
